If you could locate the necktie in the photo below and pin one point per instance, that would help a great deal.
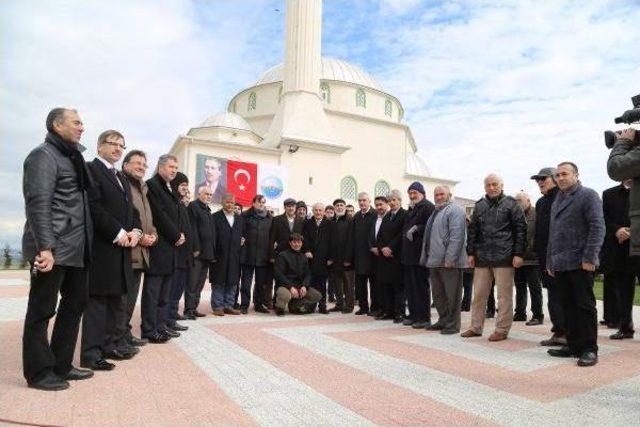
(115, 175)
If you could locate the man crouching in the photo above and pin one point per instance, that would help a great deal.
(292, 275)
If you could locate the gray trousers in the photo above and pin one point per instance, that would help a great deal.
(284, 300)
(446, 287)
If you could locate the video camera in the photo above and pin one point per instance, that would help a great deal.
(629, 117)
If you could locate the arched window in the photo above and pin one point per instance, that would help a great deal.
(279, 94)
(325, 93)
(381, 189)
(348, 188)
(388, 108)
(252, 101)
(361, 98)
(233, 107)
(400, 115)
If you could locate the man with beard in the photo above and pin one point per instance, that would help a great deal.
(342, 257)
(317, 245)
(365, 281)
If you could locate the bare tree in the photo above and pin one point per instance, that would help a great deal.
(6, 254)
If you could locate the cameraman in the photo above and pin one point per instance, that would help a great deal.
(623, 164)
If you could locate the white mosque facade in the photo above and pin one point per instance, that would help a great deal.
(317, 128)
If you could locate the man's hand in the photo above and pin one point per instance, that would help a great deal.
(309, 255)
(375, 251)
(449, 264)
(294, 293)
(134, 238)
(329, 262)
(387, 252)
(346, 264)
(410, 232)
(472, 261)
(551, 273)
(181, 240)
(44, 261)
(303, 292)
(147, 240)
(629, 134)
(587, 266)
(123, 241)
(623, 234)
(196, 253)
(242, 240)
(517, 262)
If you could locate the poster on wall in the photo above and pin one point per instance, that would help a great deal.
(242, 179)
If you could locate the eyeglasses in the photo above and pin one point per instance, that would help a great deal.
(115, 144)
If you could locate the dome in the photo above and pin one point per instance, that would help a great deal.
(227, 120)
(332, 69)
(416, 166)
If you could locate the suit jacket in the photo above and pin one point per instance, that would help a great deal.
(416, 216)
(226, 268)
(389, 270)
(112, 210)
(317, 240)
(362, 256)
(615, 205)
(166, 219)
(342, 243)
(256, 250)
(279, 240)
(202, 230)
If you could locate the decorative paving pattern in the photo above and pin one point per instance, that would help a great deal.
(338, 370)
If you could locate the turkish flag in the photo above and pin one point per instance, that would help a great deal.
(242, 181)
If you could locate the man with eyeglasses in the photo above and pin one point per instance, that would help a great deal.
(117, 230)
(547, 185)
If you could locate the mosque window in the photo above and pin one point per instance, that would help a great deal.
(381, 189)
(388, 108)
(325, 93)
(279, 94)
(252, 101)
(348, 188)
(361, 98)
(400, 114)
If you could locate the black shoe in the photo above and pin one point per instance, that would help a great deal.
(189, 316)
(279, 312)
(449, 331)
(98, 365)
(374, 313)
(621, 335)
(179, 317)
(535, 321)
(170, 333)
(177, 327)
(489, 315)
(236, 306)
(118, 355)
(198, 314)
(76, 374)
(244, 310)
(323, 310)
(435, 327)
(520, 318)
(603, 322)
(563, 351)
(408, 322)
(137, 342)
(260, 308)
(588, 358)
(361, 312)
(50, 382)
(398, 319)
(336, 309)
(128, 349)
(465, 308)
(347, 310)
(421, 325)
(158, 338)
(380, 316)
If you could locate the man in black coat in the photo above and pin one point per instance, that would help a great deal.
(163, 256)
(203, 233)
(317, 246)
(57, 243)
(363, 221)
(255, 257)
(620, 269)
(416, 278)
(386, 245)
(342, 257)
(117, 230)
(225, 274)
(547, 185)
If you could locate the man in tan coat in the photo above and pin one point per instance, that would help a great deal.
(134, 167)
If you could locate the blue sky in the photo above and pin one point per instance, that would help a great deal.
(487, 86)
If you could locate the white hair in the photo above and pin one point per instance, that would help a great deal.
(494, 177)
(364, 195)
(396, 194)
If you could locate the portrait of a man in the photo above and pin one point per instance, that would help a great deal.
(211, 172)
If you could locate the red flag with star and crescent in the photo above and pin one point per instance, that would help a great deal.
(242, 181)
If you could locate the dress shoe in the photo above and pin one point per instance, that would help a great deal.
(279, 312)
(98, 365)
(323, 310)
(177, 327)
(260, 308)
(189, 316)
(236, 306)
(158, 338)
(244, 310)
(336, 309)
(76, 374)
(603, 322)
(347, 310)
(50, 382)
(497, 336)
(118, 355)
(465, 308)
(170, 333)
(519, 317)
(534, 322)
(198, 314)
(620, 335)
(374, 313)
(232, 311)
(137, 342)
(179, 317)
(219, 312)
(612, 326)
(563, 351)
(421, 325)
(408, 322)
(361, 312)
(435, 327)
(449, 331)
(126, 348)
(554, 341)
(489, 315)
(398, 319)
(469, 334)
(588, 358)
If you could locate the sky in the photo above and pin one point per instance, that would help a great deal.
(487, 86)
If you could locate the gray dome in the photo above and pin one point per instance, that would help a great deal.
(416, 166)
(227, 120)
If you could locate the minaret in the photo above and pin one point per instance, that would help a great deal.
(300, 119)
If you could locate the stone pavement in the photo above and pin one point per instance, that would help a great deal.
(326, 370)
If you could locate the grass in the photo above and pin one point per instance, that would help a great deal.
(598, 288)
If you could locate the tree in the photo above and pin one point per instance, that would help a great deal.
(6, 254)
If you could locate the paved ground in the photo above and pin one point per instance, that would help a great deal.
(327, 370)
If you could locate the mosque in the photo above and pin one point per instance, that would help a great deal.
(313, 128)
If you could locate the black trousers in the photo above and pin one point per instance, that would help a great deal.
(319, 283)
(178, 286)
(155, 297)
(416, 282)
(554, 304)
(528, 276)
(491, 301)
(261, 293)
(38, 355)
(579, 304)
(100, 326)
(467, 287)
(625, 287)
(610, 298)
(197, 277)
(129, 300)
(363, 291)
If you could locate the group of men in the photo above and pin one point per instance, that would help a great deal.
(93, 231)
